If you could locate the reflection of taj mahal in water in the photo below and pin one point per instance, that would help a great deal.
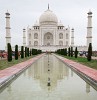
(48, 34)
(58, 72)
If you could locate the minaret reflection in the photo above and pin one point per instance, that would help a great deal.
(9, 89)
(87, 88)
(71, 73)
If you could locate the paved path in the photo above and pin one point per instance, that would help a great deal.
(92, 73)
(11, 71)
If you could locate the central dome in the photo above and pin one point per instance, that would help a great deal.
(48, 16)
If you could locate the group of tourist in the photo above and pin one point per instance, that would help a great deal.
(3, 54)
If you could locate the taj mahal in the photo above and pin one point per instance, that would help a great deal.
(49, 34)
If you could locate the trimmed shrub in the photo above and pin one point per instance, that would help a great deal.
(22, 51)
(89, 52)
(16, 52)
(25, 51)
(9, 50)
(65, 51)
(76, 52)
(71, 51)
(28, 52)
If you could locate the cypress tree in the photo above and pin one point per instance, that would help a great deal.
(66, 52)
(36, 51)
(22, 51)
(62, 51)
(32, 51)
(28, 52)
(76, 52)
(89, 52)
(71, 51)
(16, 52)
(25, 51)
(59, 51)
(9, 50)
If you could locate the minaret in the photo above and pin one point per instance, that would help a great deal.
(8, 35)
(24, 37)
(72, 37)
(48, 7)
(89, 28)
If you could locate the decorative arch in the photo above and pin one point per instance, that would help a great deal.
(29, 42)
(60, 43)
(61, 36)
(35, 43)
(67, 36)
(36, 36)
(48, 39)
(66, 43)
(29, 35)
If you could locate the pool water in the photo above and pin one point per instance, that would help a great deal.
(48, 79)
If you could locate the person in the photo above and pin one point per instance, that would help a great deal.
(1, 55)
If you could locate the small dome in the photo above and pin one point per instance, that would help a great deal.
(48, 16)
(89, 13)
(60, 24)
(7, 13)
(36, 23)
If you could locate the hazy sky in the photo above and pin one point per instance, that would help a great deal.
(26, 12)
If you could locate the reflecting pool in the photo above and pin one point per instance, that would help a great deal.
(48, 79)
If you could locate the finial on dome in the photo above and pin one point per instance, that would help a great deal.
(7, 13)
(48, 6)
(89, 13)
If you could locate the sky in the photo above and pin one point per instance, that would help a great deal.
(24, 13)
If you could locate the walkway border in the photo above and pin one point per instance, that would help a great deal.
(83, 71)
(8, 74)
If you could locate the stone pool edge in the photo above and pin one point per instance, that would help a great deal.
(84, 76)
(4, 80)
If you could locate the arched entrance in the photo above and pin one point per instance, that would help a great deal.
(48, 39)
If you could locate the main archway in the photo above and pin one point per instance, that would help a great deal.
(48, 39)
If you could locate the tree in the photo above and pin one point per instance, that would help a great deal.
(22, 51)
(65, 51)
(28, 52)
(89, 52)
(71, 51)
(9, 50)
(16, 52)
(76, 52)
(25, 51)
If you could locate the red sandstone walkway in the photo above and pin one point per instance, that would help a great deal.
(92, 73)
(8, 72)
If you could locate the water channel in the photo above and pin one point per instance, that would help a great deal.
(48, 79)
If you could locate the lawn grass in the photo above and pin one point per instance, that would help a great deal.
(5, 64)
(92, 63)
